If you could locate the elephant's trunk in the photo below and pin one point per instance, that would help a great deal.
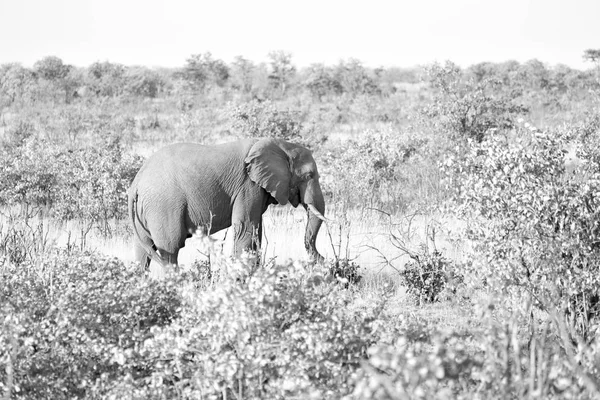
(313, 198)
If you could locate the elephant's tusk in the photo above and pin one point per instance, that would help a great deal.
(314, 210)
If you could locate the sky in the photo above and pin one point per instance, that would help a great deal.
(402, 33)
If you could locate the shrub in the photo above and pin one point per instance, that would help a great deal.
(88, 184)
(68, 320)
(436, 368)
(345, 271)
(263, 119)
(371, 169)
(93, 184)
(427, 275)
(535, 226)
(273, 333)
(469, 109)
(500, 358)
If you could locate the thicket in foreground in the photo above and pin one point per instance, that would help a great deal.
(83, 326)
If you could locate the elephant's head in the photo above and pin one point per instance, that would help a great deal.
(289, 173)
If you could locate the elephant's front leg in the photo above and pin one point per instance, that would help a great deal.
(247, 236)
(246, 222)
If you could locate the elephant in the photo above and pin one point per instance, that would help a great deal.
(184, 187)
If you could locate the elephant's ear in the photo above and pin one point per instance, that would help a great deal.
(269, 166)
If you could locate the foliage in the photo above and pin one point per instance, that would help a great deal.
(370, 169)
(143, 82)
(345, 271)
(354, 78)
(105, 79)
(16, 82)
(427, 275)
(263, 119)
(500, 359)
(51, 68)
(241, 74)
(427, 369)
(89, 326)
(273, 333)
(85, 326)
(321, 81)
(469, 109)
(88, 184)
(77, 325)
(282, 70)
(592, 55)
(202, 71)
(66, 322)
(537, 226)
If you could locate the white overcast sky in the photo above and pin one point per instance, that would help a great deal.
(377, 32)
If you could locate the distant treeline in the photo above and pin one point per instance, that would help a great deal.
(50, 79)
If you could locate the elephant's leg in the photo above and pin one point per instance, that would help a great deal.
(247, 226)
(168, 258)
(246, 236)
(168, 231)
(167, 263)
(141, 256)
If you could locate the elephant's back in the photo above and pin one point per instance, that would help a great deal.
(180, 159)
(187, 172)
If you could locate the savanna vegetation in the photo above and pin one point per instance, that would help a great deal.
(463, 262)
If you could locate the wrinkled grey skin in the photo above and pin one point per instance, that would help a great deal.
(184, 187)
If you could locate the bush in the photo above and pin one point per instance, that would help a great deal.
(263, 119)
(372, 169)
(278, 332)
(500, 358)
(427, 275)
(345, 271)
(88, 184)
(68, 320)
(468, 109)
(535, 226)
(93, 184)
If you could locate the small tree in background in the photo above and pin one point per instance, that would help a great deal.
(201, 71)
(263, 119)
(58, 76)
(106, 79)
(241, 74)
(469, 109)
(593, 55)
(16, 82)
(282, 70)
(355, 79)
(321, 81)
(142, 82)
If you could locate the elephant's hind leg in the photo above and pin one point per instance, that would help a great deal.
(168, 263)
(141, 256)
(168, 257)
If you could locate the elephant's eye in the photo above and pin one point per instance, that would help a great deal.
(309, 176)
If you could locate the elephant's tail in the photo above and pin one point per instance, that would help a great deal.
(136, 223)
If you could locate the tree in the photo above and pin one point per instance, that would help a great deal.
(51, 68)
(143, 82)
(241, 75)
(592, 55)
(321, 81)
(355, 78)
(535, 75)
(106, 79)
(282, 70)
(202, 70)
(57, 75)
(468, 110)
(16, 82)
